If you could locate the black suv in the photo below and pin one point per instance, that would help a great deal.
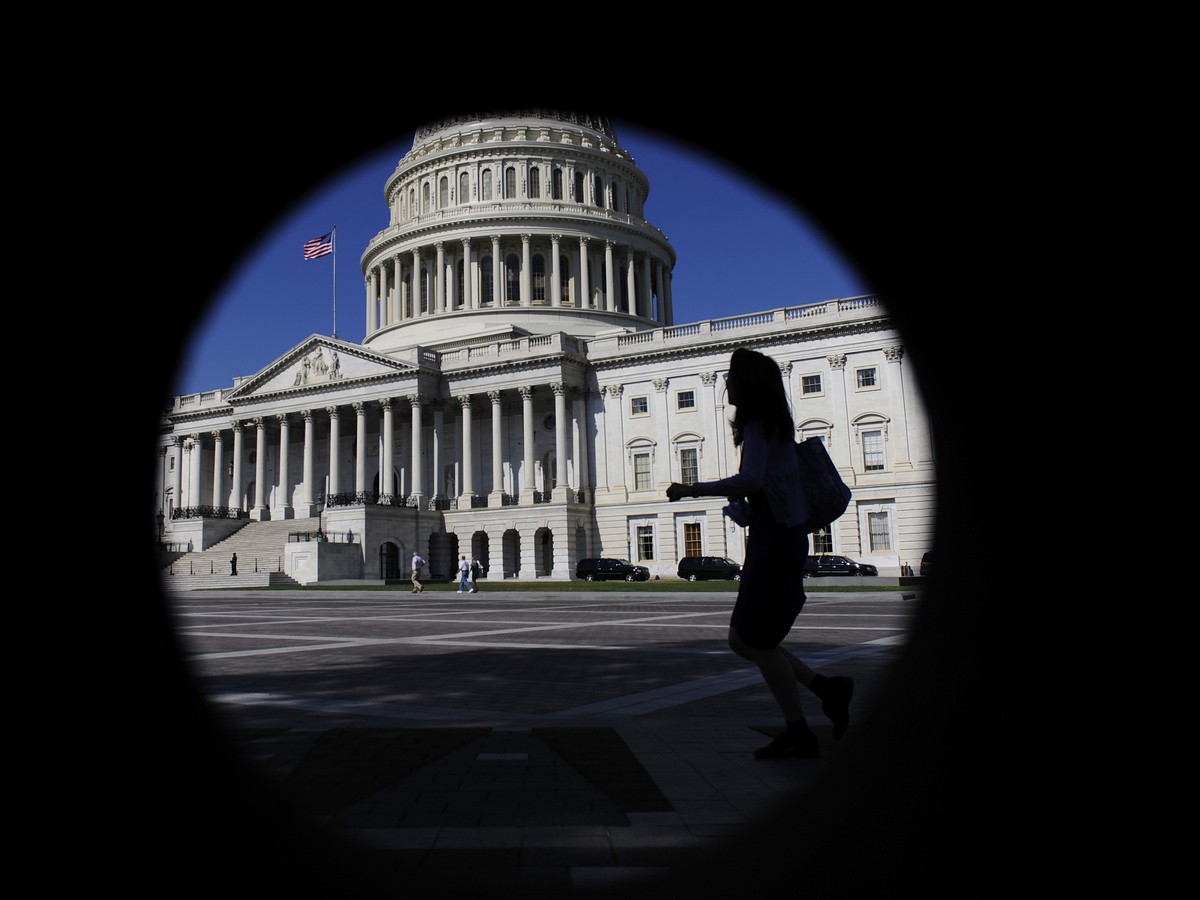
(827, 564)
(701, 568)
(604, 569)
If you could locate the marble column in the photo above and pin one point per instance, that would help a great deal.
(561, 488)
(496, 497)
(438, 489)
(418, 459)
(526, 268)
(335, 486)
(528, 483)
(306, 497)
(239, 455)
(556, 297)
(260, 513)
(218, 469)
(585, 292)
(467, 454)
(360, 447)
(283, 499)
(387, 451)
(177, 475)
(610, 286)
(195, 457)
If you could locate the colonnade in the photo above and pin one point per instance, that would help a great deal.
(425, 280)
(227, 473)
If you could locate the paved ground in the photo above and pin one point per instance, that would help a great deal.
(535, 743)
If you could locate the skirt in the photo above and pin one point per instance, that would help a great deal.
(771, 592)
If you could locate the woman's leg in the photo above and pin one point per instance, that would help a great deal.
(776, 671)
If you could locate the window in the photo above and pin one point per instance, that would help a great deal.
(810, 386)
(425, 197)
(599, 192)
(171, 467)
(539, 278)
(872, 444)
(578, 195)
(510, 183)
(485, 185)
(822, 541)
(639, 406)
(556, 185)
(444, 193)
(867, 379)
(641, 471)
(485, 275)
(535, 182)
(691, 539)
(645, 542)
(880, 531)
(512, 271)
(564, 273)
(464, 188)
(689, 465)
(685, 400)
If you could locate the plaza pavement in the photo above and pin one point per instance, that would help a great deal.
(527, 744)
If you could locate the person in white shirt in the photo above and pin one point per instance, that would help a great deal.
(464, 575)
(417, 562)
(771, 592)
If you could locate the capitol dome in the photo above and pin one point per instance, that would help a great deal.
(515, 224)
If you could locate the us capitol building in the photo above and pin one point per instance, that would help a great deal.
(524, 393)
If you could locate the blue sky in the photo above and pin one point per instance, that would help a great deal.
(739, 249)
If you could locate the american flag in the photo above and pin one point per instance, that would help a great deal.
(319, 246)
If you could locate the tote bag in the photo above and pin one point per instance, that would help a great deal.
(826, 493)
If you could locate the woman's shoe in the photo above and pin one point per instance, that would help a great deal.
(835, 697)
(790, 746)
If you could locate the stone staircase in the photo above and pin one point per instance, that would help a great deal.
(259, 547)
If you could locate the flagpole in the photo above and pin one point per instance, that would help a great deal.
(334, 242)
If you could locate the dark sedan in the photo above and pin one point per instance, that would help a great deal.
(829, 564)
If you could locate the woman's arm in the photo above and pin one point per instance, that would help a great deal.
(749, 479)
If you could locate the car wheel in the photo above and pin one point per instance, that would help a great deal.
(629, 577)
(737, 577)
(692, 577)
(589, 577)
(859, 574)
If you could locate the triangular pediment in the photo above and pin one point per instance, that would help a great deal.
(319, 363)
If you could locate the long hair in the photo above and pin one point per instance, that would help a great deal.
(760, 388)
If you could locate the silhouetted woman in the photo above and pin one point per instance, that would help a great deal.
(771, 592)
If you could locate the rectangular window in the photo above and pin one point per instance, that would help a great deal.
(645, 542)
(867, 379)
(881, 533)
(639, 406)
(872, 442)
(685, 400)
(810, 385)
(689, 465)
(822, 541)
(691, 539)
(641, 471)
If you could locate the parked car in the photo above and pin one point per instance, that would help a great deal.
(702, 568)
(829, 564)
(605, 569)
(926, 560)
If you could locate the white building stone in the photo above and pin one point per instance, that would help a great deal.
(524, 393)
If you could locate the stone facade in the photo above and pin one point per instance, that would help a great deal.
(523, 393)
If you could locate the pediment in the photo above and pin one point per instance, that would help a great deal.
(319, 362)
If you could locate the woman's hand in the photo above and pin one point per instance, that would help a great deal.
(677, 490)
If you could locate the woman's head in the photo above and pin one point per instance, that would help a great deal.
(755, 387)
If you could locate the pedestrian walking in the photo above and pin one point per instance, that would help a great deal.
(771, 591)
(417, 563)
(476, 571)
(464, 575)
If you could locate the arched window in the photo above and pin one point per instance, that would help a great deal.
(485, 277)
(425, 197)
(535, 182)
(444, 193)
(512, 272)
(485, 185)
(412, 202)
(556, 185)
(578, 197)
(564, 274)
(539, 278)
(510, 183)
(599, 192)
(464, 188)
